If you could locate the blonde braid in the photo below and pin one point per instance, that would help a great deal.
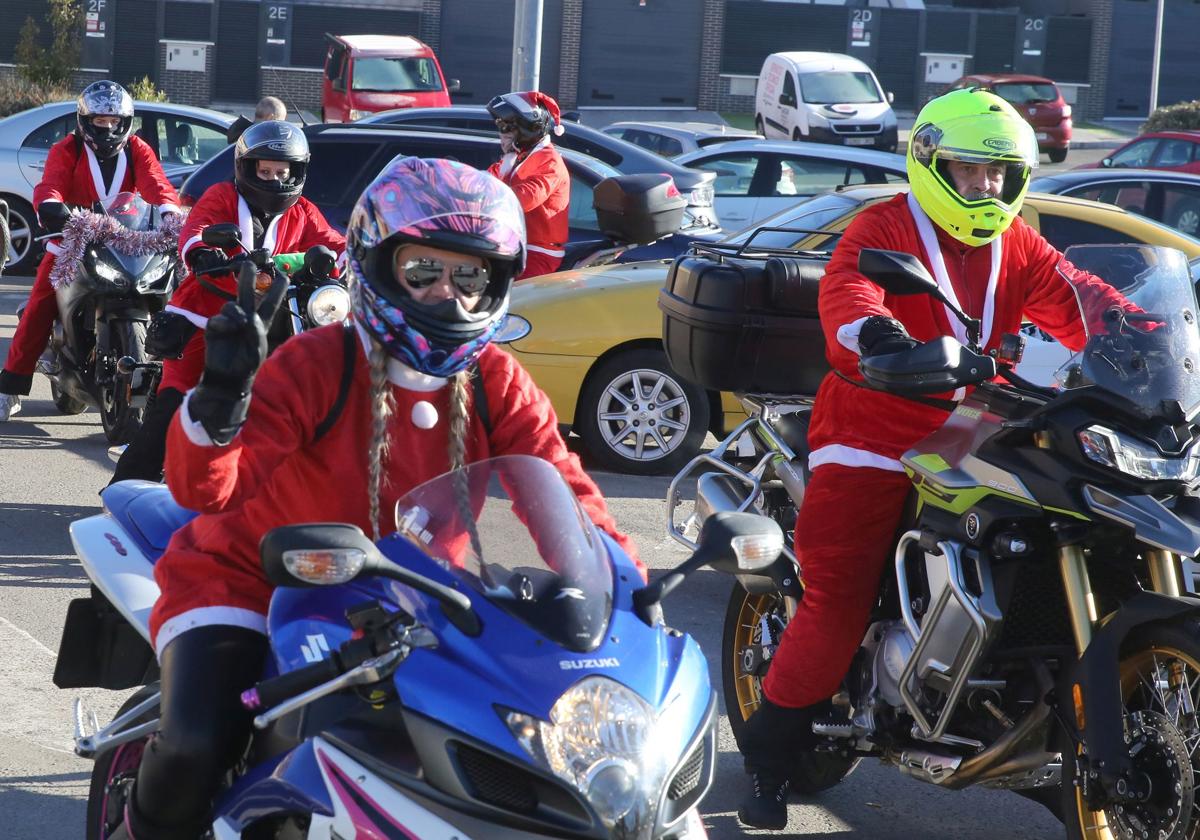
(460, 415)
(381, 410)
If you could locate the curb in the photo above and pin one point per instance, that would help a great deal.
(1097, 144)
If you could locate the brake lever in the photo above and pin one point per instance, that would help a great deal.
(369, 672)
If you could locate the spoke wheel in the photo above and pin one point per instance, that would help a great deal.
(22, 249)
(1160, 684)
(1188, 219)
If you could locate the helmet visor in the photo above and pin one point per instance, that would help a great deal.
(978, 138)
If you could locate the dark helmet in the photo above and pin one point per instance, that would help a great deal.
(270, 140)
(104, 99)
(532, 114)
(443, 204)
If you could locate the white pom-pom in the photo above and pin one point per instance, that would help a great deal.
(424, 415)
(559, 130)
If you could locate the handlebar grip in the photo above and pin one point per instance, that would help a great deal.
(289, 263)
(274, 691)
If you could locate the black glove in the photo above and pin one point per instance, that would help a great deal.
(53, 215)
(880, 336)
(319, 262)
(235, 347)
(203, 259)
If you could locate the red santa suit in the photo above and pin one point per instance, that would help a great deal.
(274, 474)
(298, 228)
(72, 176)
(543, 186)
(853, 504)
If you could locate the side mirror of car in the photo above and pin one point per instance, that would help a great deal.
(1106, 163)
(453, 85)
(891, 97)
(225, 236)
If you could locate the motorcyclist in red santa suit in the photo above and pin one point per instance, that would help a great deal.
(969, 163)
(265, 201)
(536, 172)
(433, 247)
(96, 162)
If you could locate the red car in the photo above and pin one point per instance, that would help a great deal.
(365, 74)
(1038, 101)
(1178, 151)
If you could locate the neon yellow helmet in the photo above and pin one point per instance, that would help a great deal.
(970, 126)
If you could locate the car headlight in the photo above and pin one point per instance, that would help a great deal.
(607, 743)
(356, 114)
(328, 304)
(1135, 458)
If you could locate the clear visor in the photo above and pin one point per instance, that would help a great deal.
(987, 138)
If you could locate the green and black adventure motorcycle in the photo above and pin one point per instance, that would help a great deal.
(1040, 632)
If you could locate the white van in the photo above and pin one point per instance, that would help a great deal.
(823, 97)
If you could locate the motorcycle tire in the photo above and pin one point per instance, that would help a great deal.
(64, 402)
(112, 775)
(121, 421)
(1153, 649)
(813, 772)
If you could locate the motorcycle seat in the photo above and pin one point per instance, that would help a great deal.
(147, 513)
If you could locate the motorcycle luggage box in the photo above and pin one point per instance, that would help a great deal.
(638, 208)
(745, 324)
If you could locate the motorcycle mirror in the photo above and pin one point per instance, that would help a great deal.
(513, 329)
(225, 236)
(328, 553)
(899, 273)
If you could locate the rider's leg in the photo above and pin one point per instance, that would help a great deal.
(143, 458)
(32, 334)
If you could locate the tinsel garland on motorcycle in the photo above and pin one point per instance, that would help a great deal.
(86, 229)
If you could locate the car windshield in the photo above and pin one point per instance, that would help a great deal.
(811, 215)
(836, 88)
(512, 530)
(1027, 93)
(130, 210)
(1143, 341)
(395, 74)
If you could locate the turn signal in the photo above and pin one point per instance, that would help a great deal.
(1077, 696)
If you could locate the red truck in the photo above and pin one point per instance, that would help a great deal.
(369, 73)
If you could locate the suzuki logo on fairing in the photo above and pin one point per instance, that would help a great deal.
(116, 544)
(316, 648)
(580, 664)
(570, 592)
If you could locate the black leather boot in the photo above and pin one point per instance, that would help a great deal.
(769, 742)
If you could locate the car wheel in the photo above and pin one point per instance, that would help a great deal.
(1057, 155)
(1187, 217)
(636, 415)
(22, 228)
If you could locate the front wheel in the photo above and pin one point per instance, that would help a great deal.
(64, 402)
(751, 632)
(121, 420)
(1160, 687)
(113, 775)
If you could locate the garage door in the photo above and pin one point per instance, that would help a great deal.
(477, 43)
(236, 68)
(896, 64)
(135, 47)
(1130, 57)
(640, 55)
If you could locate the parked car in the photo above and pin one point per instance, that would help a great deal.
(671, 139)
(758, 178)
(1038, 100)
(365, 74)
(596, 343)
(346, 157)
(823, 97)
(183, 138)
(1178, 151)
(1172, 198)
(626, 158)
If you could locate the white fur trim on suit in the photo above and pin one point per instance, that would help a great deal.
(197, 320)
(207, 617)
(847, 335)
(114, 189)
(848, 456)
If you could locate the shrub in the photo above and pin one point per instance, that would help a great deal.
(144, 90)
(1180, 116)
(18, 95)
(54, 65)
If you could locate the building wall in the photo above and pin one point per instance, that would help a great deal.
(298, 88)
(190, 87)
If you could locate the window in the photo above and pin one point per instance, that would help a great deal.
(836, 88)
(478, 155)
(1027, 93)
(787, 96)
(1128, 195)
(409, 75)
(1181, 207)
(580, 213)
(183, 141)
(1062, 232)
(1174, 153)
(1136, 155)
(735, 173)
(800, 176)
(811, 216)
(334, 168)
(59, 127)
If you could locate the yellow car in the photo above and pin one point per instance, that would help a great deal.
(596, 343)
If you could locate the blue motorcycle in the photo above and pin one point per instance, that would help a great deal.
(494, 669)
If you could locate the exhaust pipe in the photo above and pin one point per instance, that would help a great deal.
(928, 767)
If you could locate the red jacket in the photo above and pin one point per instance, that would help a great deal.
(273, 474)
(299, 228)
(543, 187)
(72, 176)
(855, 426)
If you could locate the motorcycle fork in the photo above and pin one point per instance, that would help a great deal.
(1081, 603)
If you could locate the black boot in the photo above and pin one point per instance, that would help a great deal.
(770, 741)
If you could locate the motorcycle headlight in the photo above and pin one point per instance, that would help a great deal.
(608, 743)
(109, 272)
(1135, 458)
(152, 275)
(328, 304)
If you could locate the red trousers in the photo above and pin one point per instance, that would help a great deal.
(537, 264)
(33, 330)
(844, 536)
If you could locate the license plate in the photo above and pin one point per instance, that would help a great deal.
(1041, 135)
(860, 141)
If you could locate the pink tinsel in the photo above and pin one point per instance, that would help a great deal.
(88, 228)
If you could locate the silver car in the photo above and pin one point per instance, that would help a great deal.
(183, 138)
(676, 138)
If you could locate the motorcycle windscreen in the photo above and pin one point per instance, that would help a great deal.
(512, 529)
(1139, 311)
(131, 211)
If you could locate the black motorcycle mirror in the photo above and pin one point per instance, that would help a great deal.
(225, 236)
(326, 554)
(731, 542)
(903, 274)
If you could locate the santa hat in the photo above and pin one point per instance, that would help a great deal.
(526, 101)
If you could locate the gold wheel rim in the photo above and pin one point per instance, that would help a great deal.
(1094, 824)
(749, 632)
